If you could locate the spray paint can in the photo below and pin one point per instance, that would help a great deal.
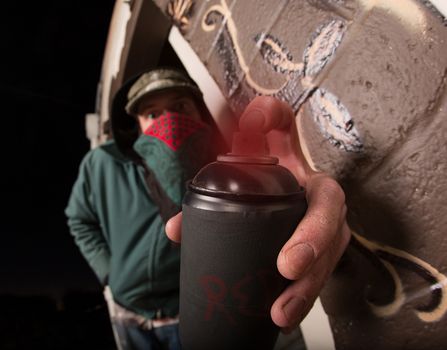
(237, 214)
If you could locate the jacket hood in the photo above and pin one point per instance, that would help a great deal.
(125, 129)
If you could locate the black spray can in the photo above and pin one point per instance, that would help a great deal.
(237, 214)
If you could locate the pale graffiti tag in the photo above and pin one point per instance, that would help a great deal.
(390, 258)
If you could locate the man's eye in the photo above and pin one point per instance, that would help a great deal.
(151, 114)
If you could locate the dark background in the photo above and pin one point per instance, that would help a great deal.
(51, 55)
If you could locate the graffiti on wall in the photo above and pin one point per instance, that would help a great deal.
(300, 81)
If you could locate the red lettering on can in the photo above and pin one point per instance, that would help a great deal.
(216, 291)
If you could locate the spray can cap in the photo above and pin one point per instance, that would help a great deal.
(247, 173)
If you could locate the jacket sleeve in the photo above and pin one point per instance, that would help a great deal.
(84, 225)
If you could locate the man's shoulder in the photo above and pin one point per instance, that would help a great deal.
(106, 152)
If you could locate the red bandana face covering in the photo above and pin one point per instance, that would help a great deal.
(173, 129)
(173, 149)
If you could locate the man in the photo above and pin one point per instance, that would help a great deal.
(125, 192)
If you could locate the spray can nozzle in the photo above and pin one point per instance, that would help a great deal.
(249, 147)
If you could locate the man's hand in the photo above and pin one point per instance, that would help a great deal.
(310, 255)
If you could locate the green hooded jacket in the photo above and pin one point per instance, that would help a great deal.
(119, 231)
(126, 190)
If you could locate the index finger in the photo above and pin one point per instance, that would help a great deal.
(266, 113)
(275, 118)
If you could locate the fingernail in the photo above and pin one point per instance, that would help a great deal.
(252, 121)
(293, 311)
(298, 259)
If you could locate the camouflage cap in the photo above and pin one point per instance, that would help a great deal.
(155, 81)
